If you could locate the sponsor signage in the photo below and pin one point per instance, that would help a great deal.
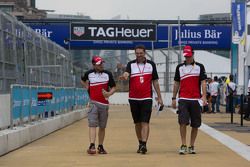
(44, 96)
(200, 37)
(238, 20)
(209, 37)
(120, 32)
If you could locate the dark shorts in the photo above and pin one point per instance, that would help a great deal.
(141, 110)
(98, 115)
(189, 111)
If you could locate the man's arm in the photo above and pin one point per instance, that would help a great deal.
(85, 84)
(204, 91)
(175, 91)
(158, 92)
(109, 93)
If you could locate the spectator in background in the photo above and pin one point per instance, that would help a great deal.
(230, 91)
(247, 114)
(214, 91)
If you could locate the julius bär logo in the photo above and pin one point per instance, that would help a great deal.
(78, 31)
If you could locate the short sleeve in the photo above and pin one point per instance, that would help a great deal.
(177, 74)
(203, 74)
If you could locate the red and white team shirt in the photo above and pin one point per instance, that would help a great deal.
(97, 82)
(141, 76)
(190, 77)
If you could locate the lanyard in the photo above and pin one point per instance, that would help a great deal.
(141, 72)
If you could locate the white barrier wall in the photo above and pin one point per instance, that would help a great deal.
(4, 110)
(11, 139)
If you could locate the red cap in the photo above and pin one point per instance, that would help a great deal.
(97, 60)
(187, 51)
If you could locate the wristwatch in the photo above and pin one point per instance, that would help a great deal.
(173, 98)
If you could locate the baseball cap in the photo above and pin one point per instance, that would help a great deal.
(188, 51)
(97, 60)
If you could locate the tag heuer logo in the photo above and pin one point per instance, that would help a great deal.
(79, 31)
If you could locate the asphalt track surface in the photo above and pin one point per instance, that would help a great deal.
(67, 147)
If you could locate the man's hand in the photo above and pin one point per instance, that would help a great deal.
(174, 103)
(204, 100)
(124, 76)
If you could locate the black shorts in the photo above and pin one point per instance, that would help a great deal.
(189, 110)
(141, 110)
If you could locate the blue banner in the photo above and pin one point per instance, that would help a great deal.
(207, 37)
(238, 20)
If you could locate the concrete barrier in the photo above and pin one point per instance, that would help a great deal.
(11, 139)
(4, 110)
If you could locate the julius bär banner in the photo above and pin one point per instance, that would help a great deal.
(121, 32)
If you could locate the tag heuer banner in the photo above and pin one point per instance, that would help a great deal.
(120, 32)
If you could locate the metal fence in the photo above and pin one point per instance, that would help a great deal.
(27, 57)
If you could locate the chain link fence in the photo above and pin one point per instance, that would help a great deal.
(29, 58)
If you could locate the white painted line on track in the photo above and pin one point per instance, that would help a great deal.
(240, 148)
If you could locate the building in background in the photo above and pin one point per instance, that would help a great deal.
(22, 9)
(217, 16)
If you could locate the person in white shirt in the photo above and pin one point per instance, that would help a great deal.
(214, 91)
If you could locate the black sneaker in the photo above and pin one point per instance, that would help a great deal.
(183, 149)
(191, 150)
(143, 149)
(91, 150)
(101, 150)
(139, 149)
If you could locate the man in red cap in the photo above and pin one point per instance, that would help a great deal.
(100, 84)
(190, 77)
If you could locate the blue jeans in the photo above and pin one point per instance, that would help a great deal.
(218, 103)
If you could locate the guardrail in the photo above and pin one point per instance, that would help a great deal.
(25, 106)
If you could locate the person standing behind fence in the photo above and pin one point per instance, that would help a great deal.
(190, 77)
(141, 73)
(214, 91)
(230, 91)
(100, 85)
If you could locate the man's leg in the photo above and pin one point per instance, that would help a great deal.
(103, 119)
(92, 137)
(193, 136)
(101, 135)
(144, 131)
(138, 129)
(92, 120)
(183, 132)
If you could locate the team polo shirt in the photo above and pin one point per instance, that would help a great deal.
(190, 77)
(141, 76)
(97, 82)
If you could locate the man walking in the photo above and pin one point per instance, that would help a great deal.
(190, 77)
(100, 85)
(142, 73)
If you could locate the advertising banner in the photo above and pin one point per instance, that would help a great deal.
(238, 20)
(119, 32)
